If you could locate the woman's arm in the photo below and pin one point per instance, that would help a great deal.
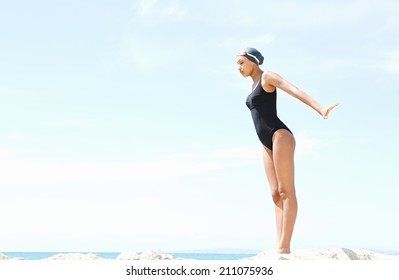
(273, 80)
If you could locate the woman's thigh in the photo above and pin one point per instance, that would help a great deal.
(269, 169)
(283, 159)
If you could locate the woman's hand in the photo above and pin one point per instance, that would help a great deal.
(326, 110)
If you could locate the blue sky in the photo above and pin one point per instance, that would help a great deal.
(123, 124)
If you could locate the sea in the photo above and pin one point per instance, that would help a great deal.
(114, 255)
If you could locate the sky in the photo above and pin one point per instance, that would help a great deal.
(123, 124)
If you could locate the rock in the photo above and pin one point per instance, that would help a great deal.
(367, 255)
(128, 256)
(325, 254)
(333, 254)
(152, 255)
(74, 257)
(167, 257)
(3, 257)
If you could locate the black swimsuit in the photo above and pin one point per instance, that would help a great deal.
(264, 114)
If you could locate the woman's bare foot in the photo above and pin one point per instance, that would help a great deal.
(284, 251)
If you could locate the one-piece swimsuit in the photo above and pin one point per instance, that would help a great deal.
(264, 114)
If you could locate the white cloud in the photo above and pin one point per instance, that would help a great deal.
(235, 43)
(147, 57)
(79, 123)
(17, 170)
(145, 48)
(140, 201)
(174, 9)
(306, 146)
(390, 62)
(7, 153)
(155, 8)
(323, 13)
(166, 169)
(237, 154)
(145, 7)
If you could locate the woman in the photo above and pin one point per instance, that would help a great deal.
(278, 141)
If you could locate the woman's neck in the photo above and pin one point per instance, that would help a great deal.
(256, 75)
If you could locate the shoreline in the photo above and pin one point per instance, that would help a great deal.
(309, 254)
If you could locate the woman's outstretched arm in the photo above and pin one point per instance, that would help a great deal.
(271, 79)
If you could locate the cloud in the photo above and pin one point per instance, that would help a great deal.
(306, 146)
(322, 13)
(17, 170)
(146, 196)
(235, 43)
(145, 7)
(74, 123)
(390, 62)
(155, 8)
(148, 56)
(237, 153)
(7, 153)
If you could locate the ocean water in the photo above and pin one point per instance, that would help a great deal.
(114, 255)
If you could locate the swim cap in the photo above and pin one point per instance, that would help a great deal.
(253, 55)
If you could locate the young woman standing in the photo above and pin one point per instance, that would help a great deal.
(278, 141)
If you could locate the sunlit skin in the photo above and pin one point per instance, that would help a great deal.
(279, 163)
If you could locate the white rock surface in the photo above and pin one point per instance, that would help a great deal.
(152, 255)
(325, 254)
(167, 257)
(74, 257)
(3, 257)
(128, 256)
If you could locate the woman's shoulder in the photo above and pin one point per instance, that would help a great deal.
(267, 75)
(269, 79)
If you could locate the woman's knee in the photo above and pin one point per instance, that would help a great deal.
(286, 191)
(276, 195)
(281, 193)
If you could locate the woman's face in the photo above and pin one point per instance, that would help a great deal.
(244, 65)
